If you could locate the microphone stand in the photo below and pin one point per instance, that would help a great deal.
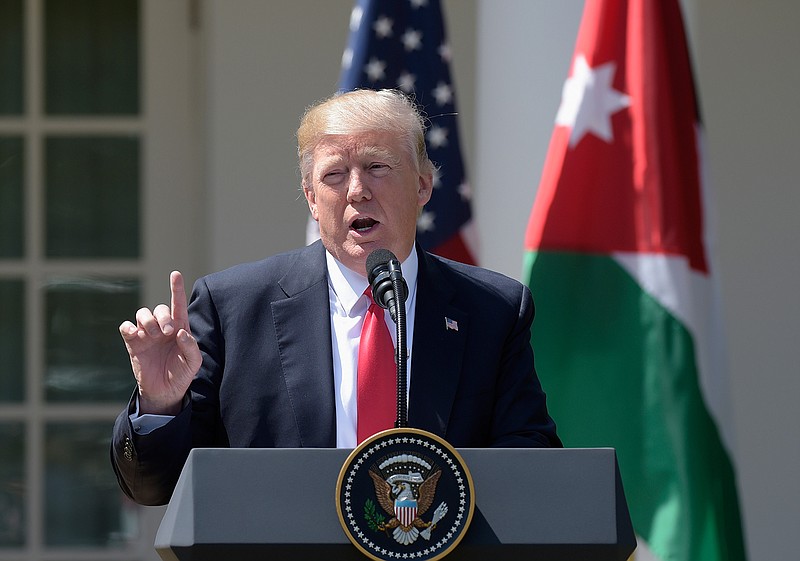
(401, 351)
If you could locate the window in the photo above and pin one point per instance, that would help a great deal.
(79, 133)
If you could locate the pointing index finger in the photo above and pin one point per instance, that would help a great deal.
(178, 293)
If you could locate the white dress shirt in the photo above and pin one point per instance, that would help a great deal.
(348, 305)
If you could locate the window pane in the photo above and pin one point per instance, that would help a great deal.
(83, 504)
(12, 164)
(92, 197)
(12, 484)
(91, 57)
(85, 356)
(11, 62)
(12, 346)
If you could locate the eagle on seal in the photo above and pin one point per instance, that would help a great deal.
(397, 497)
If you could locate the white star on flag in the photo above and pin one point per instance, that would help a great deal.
(383, 27)
(406, 82)
(437, 136)
(437, 178)
(445, 52)
(465, 191)
(588, 101)
(412, 40)
(443, 93)
(425, 221)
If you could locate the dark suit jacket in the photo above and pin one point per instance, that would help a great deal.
(267, 374)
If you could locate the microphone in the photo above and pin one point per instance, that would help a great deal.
(389, 288)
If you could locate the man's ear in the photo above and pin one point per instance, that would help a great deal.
(311, 199)
(424, 188)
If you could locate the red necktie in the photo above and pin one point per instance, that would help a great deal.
(377, 375)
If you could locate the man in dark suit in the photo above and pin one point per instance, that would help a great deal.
(266, 353)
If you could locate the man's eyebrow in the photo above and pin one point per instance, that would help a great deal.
(380, 153)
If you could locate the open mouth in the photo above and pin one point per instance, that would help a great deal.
(363, 224)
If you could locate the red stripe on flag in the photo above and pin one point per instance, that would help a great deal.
(455, 248)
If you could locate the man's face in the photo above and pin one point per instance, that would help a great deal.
(365, 193)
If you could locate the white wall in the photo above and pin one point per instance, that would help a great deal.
(524, 53)
(749, 80)
(267, 60)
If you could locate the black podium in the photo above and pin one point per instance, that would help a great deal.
(255, 504)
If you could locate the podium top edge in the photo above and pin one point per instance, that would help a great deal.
(537, 450)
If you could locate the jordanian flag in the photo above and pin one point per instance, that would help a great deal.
(627, 336)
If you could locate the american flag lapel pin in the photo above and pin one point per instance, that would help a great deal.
(450, 324)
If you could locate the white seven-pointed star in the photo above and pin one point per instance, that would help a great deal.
(588, 101)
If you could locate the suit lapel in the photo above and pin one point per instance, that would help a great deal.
(438, 349)
(302, 325)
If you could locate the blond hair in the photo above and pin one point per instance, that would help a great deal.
(362, 111)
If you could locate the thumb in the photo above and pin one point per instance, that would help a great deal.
(187, 345)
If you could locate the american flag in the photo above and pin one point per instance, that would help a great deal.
(401, 44)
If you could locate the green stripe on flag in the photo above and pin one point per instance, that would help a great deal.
(620, 371)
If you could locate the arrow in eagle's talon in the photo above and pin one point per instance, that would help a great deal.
(441, 510)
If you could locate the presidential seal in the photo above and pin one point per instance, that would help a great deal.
(405, 494)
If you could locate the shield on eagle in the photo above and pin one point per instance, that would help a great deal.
(405, 510)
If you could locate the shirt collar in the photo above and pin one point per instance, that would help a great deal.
(349, 286)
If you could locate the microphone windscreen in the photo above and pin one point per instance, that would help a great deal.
(377, 258)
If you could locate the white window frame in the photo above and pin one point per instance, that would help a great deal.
(170, 131)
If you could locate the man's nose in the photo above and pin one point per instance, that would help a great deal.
(357, 189)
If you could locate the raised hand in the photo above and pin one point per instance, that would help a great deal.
(164, 354)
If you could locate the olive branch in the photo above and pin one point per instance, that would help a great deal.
(374, 518)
